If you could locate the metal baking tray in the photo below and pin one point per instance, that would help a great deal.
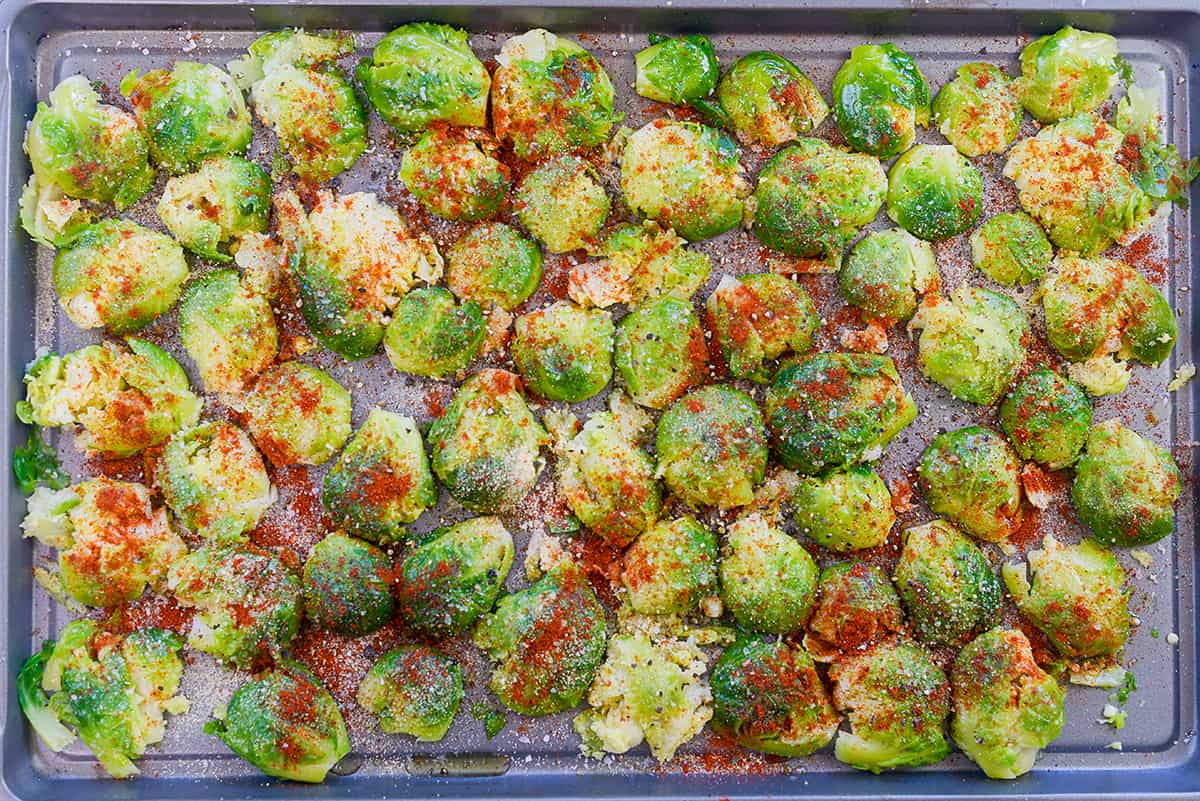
(43, 42)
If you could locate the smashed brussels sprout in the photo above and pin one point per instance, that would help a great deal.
(188, 113)
(549, 96)
(298, 414)
(563, 204)
(49, 216)
(768, 580)
(757, 318)
(564, 352)
(712, 449)
(455, 174)
(111, 691)
(844, 510)
(493, 265)
(119, 276)
(897, 700)
(1075, 594)
(433, 336)
(660, 351)
(112, 542)
(225, 199)
(768, 697)
(1068, 72)
(228, 329)
(685, 176)
(285, 723)
(424, 72)
(485, 447)
(1011, 249)
(812, 198)
(245, 602)
(934, 193)
(834, 410)
(769, 101)
(1006, 708)
(125, 400)
(972, 343)
(1046, 418)
(413, 690)
(454, 576)
(980, 110)
(682, 70)
(347, 586)
(381, 482)
(214, 480)
(886, 274)
(946, 583)
(879, 99)
(88, 149)
(638, 263)
(1125, 487)
(1160, 171)
(671, 567)
(548, 640)
(858, 607)
(972, 477)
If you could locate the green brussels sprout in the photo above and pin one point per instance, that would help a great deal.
(125, 400)
(119, 276)
(1011, 249)
(769, 100)
(563, 204)
(245, 602)
(485, 447)
(112, 542)
(298, 414)
(639, 263)
(347, 586)
(455, 174)
(112, 690)
(946, 583)
(685, 176)
(980, 110)
(660, 351)
(354, 259)
(844, 510)
(1069, 179)
(671, 567)
(768, 580)
(549, 96)
(214, 480)
(812, 198)
(564, 352)
(886, 274)
(768, 697)
(1075, 594)
(433, 336)
(381, 481)
(757, 318)
(188, 113)
(858, 608)
(1006, 707)
(972, 343)
(413, 690)
(1046, 418)
(682, 70)
(424, 72)
(1159, 170)
(453, 577)
(897, 700)
(49, 216)
(493, 265)
(225, 199)
(547, 641)
(228, 329)
(646, 689)
(712, 449)
(832, 410)
(605, 478)
(879, 99)
(972, 477)
(934, 193)
(285, 723)
(299, 92)
(1125, 487)
(88, 149)
(1068, 72)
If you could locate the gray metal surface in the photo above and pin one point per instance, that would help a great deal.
(45, 42)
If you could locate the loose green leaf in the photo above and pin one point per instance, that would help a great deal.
(37, 463)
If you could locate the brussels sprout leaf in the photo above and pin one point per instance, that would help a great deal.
(36, 463)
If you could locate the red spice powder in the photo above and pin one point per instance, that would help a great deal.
(297, 521)
(341, 662)
(151, 611)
